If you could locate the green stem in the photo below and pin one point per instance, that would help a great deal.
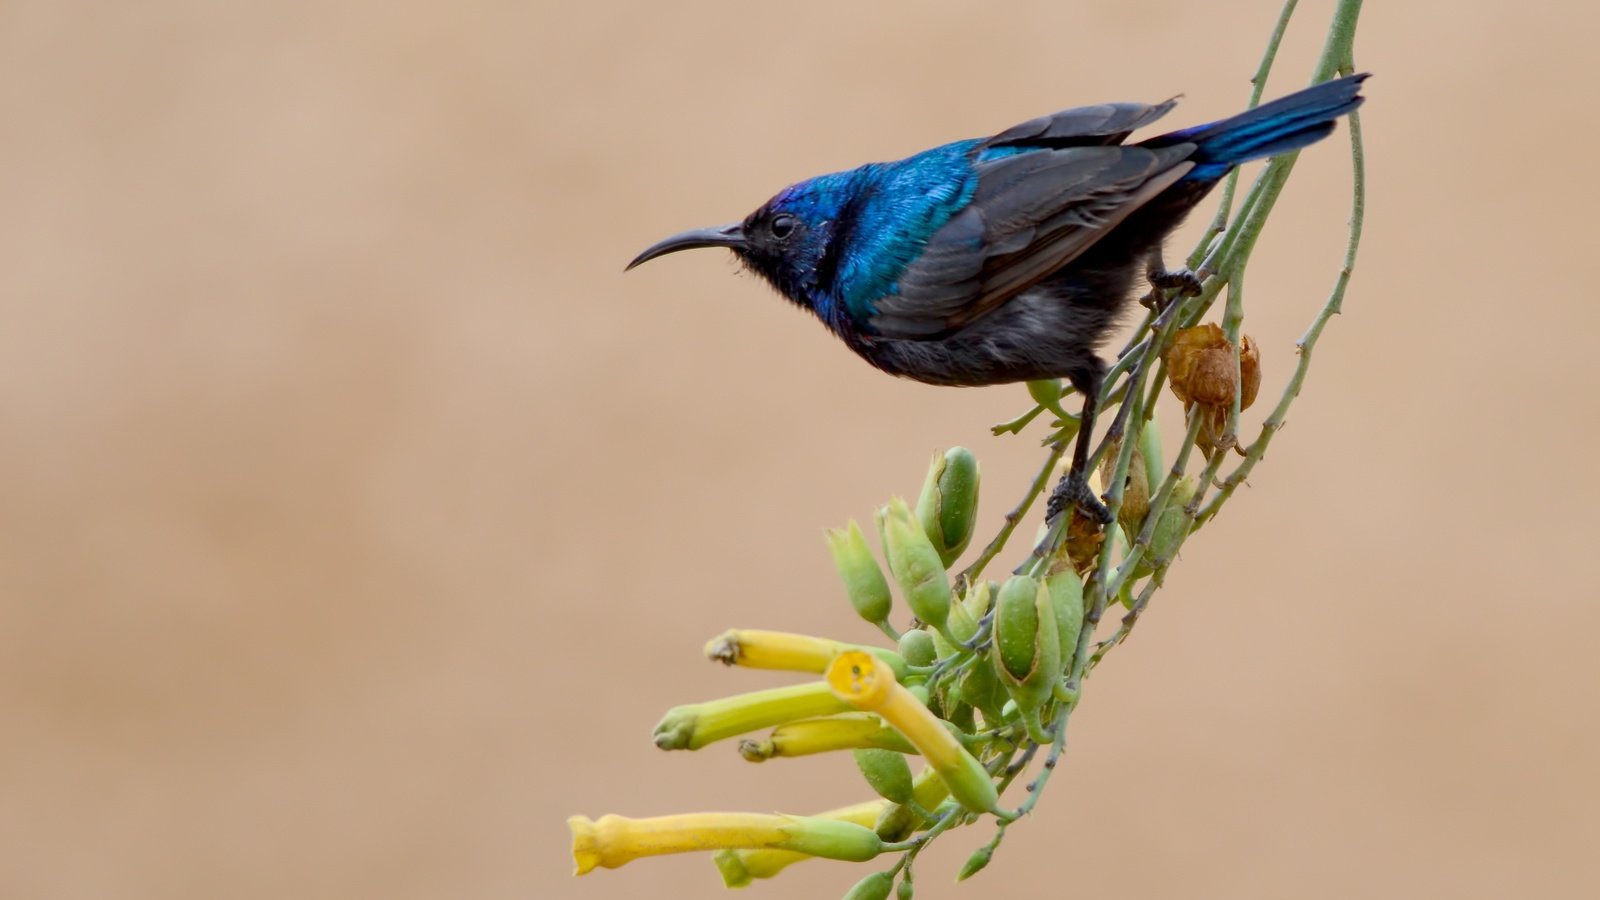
(1259, 82)
(1222, 256)
(1307, 343)
(971, 573)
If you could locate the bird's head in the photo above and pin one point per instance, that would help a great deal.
(787, 241)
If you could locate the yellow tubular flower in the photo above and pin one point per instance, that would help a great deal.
(862, 680)
(613, 840)
(740, 867)
(694, 725)
(755, 649)
(847, 731)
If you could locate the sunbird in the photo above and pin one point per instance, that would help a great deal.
(1008, 258)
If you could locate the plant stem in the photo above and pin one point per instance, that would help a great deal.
(1259, 81)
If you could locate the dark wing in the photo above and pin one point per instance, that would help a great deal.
(1031, 214)
(1083, 126)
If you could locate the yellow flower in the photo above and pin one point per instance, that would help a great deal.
(863, 680)
(755, 649)
(740, 867)
(694, 725)
(846, 731)
(611, 841)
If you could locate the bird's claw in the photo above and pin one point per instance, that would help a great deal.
(1074, 490)
(1184, 281)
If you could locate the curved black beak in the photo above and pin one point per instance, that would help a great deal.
(721, 236)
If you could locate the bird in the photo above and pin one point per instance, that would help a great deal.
(1008, 258)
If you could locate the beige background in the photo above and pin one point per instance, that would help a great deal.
(358, 517)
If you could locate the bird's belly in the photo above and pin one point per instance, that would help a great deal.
(1038, 334)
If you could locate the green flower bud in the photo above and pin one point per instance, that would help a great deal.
(975, 863)
(905, 891)
(962, 625)
(1027, 648)
(897, 822)
(1016, 625)
(1170, 529)
(740, 866)
(873, 887)
(1066, 595)
(948, 506)
(694, 725)
(1046, 392)
(863, 581)
(983, 691)
(960, 714)
(831, 839)
(887, 772)
(916, 648)
(915, 564)
(918, 692)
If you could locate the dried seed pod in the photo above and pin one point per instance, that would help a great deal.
(1135, 488)
(1201, 370)
(1084, 537)
(1249, 371)
(1200, 366)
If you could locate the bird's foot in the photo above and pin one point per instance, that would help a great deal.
(1074, 490)
(1183, 280)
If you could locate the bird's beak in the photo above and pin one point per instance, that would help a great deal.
(722, 236)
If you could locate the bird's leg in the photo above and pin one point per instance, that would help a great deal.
(1163, 279)
(1074, 486)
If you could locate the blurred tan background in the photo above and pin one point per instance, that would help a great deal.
(359, 518)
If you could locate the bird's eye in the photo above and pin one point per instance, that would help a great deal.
(782, 226)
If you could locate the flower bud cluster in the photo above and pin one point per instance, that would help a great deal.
(983, 672)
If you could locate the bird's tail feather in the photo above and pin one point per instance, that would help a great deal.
(1285, 124)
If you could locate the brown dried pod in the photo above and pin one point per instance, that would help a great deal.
(1249, 371)
(1136, 488)
(1084, 537)
(1213, 422)
(1200, 366)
